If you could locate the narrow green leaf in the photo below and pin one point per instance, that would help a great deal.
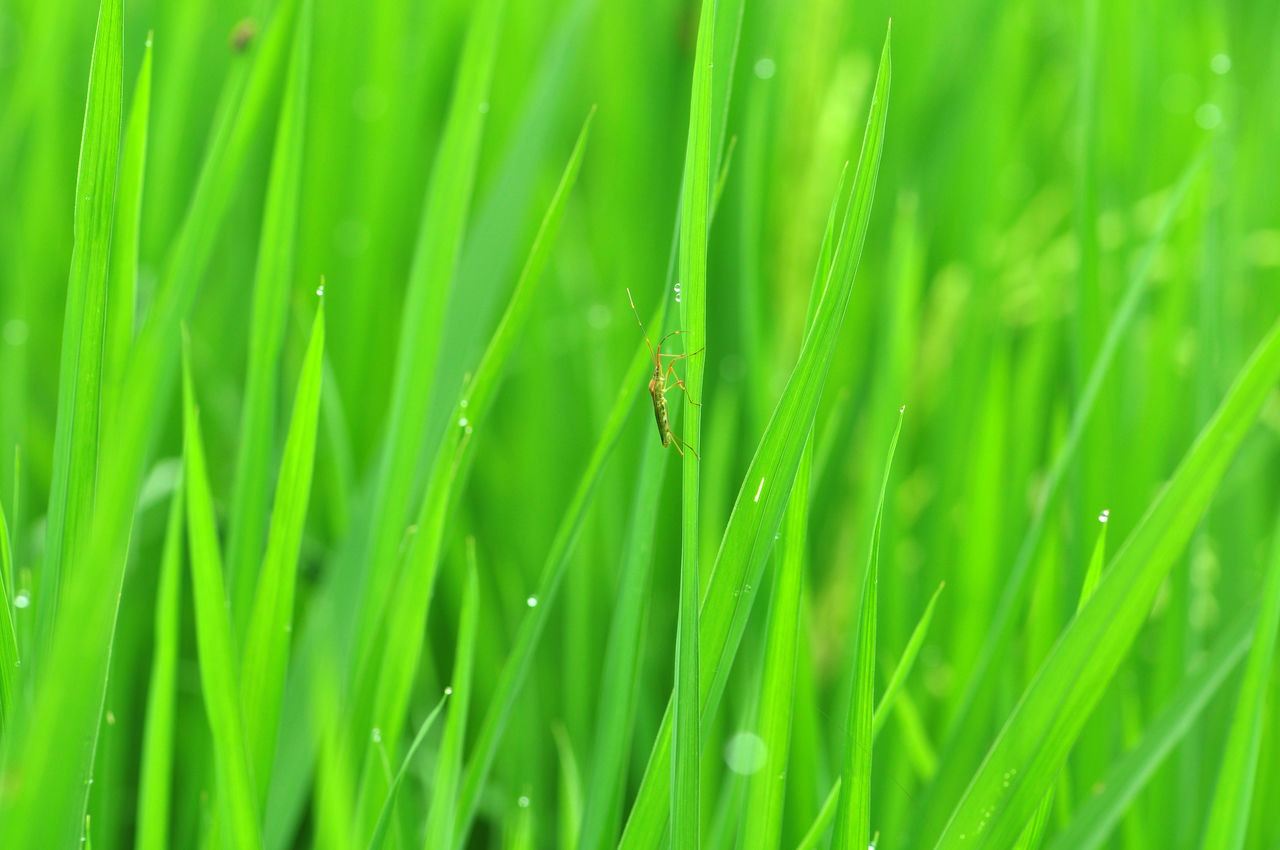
(123, 285)
(1038, 735)
(378, 840)
(440, 819)
(8, 633)
(155, 781)
(570, 802)
(273, 280)
(392, 672)
(766, 487)
(1233, 795)
(430, 280)
(1095, 818)
(75, 447)
(694, 201)
(236, 796)
(853, 814)
(266, 649)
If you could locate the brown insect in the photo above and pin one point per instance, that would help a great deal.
(242, 35)
(658, 384)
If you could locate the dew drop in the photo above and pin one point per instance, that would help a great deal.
(22, 599)
(463, 404)
(448, 692)
(1104, 516)
(765, 68)
(523, 802)
(320, 290)
(1220, 64)
(377, 735)
(532, 602)
(462, 422)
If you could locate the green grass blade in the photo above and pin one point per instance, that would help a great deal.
(965, 725)
(123, 284)
(393, 671)
(767, 787)
(440, 819)
(694, 200)
(570, 786)
(430, 280)
(273, 279)
(379, 838)
(156, 774)
(266, 649)
(892, 692)
(8, 633)
(236, 797)
(762, 498)
(1233, 795)
(853, 814)
(1037, 736)
(1092, 822)
(75, 454)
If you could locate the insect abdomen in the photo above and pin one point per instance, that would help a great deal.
(660, 414)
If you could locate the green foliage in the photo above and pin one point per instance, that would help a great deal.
(425, 455)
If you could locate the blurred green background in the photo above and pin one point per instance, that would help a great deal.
(1030, 150)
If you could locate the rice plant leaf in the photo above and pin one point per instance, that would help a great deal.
(392, 672)
(237, 805)
(75, 447)
(694, 201)
(757, 512)
(379, 838)
(56, 748)
(156, 773)
(273, 279)
(1233, 795)
(123, 286)
(570, 787)
(1035, 740)
(431, 276)
(963, 729)
(440, 818)
(266, 649)
(853, 814)
(1092, 822)
(8, 633)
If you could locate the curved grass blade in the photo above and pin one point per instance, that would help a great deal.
(124, 255)
(853, 814)
(694, 201)
(440, 819)
(273, 279)
(8, 632)
(570, 808)
(236, 797)
(393, 671)
(757, 512)
(1038, 735)
(266, 649)
(156, 774)
(75, 447)
(1233, 795)
(1095, 818)
(378, 840)
(827, 813)
(963, 729)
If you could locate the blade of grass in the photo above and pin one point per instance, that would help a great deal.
(379, 837)
(570, 808)
(963, 729)
(440, 818)
(75, 449)
(156, 774)
(853, 813)
(1033, 832)
(1233, 795)
(266, 649)
(236, 797)
(1037, 736)
(694, 200)
(123, 284)
(392, 672)
(1092, 822)
(827, 814)
(430, 280)
(755, 518)
(8, 633)
(273, 279)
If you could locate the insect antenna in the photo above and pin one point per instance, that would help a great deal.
(652, 353)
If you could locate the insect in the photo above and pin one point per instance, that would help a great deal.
(658, 384)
